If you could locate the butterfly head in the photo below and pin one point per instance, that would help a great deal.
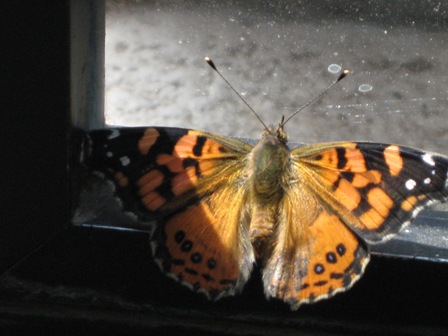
(276, 134)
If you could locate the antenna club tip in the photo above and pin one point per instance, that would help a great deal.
(210, 62)
(343, 74)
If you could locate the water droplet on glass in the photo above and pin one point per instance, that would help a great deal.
(334, 68)
(365, 88)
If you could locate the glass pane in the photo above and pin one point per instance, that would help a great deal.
(279, 55)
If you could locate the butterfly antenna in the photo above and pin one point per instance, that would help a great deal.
(341, 76)
(213, 66)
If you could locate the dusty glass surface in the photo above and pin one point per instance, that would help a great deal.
(279, 55)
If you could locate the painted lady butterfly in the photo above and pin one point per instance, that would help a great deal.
(306, 214)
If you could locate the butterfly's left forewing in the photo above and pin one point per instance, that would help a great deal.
(188, 182)
(376, 189)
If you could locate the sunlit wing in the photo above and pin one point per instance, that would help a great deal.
(189, 183)
(376, 189)
(314, 255)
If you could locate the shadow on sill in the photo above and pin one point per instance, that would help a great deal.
(96, 280)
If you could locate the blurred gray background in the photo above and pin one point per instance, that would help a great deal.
(277, 54)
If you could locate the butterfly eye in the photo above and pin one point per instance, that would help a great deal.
(281, 135)
(264, 133)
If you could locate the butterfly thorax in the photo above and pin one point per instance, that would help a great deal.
(267, 165)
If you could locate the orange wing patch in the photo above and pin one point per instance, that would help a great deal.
(196, 145)
(393, 159)
(343, 158)
(329, 260)
(121, 179)
(337, 259)
(178, 169)
(148, 139)
(347, 195)
(196, 253)
(381, 205)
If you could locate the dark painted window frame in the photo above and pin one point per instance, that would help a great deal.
(54, 75)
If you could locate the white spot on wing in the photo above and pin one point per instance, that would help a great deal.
(109, 154)
(125, 161)
(428, 159)
(427, 180)
(113, 134)
(410, 184)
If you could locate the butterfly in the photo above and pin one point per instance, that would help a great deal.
(306, 215)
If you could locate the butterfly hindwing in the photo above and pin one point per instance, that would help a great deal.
(315, 255)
